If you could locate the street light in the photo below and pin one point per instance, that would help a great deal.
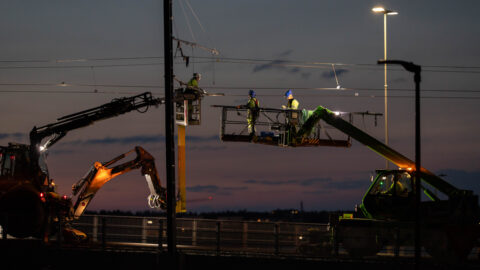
(416, 70)
(385, 12)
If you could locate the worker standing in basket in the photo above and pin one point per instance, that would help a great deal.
(291, 102)
(193, 83)
(193, 89)
(253, 111)
(291, 116)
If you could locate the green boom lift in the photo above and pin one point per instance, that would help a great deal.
(449, 216)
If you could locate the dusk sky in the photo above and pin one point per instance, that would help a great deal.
(61, 57)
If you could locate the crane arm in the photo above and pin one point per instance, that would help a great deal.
(87, 117)
(101, 173)
(375, 145)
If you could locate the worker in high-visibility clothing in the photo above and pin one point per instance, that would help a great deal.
(291, 116)
(193, 88)
(193, 83)
(253, 111)
(291, 102)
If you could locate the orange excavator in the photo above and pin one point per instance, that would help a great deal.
(29, 203)
(100, 173)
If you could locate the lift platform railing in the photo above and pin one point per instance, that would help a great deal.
(277, 127)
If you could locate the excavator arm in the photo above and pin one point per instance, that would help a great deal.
(101, 173)
(56, 131)
(85, 118)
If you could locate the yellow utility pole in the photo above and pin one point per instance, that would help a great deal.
(181, 204)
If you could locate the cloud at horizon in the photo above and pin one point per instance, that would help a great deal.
(315, 185)
(15, 135)
(215, 189)
(158, 138)
(300, 182)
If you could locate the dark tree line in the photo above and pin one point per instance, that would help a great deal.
(286, 215)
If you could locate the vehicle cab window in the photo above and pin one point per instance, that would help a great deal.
(398, 184)
(7, 164)
(383, 184)
(404, 180)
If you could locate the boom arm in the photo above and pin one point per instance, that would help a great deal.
(375, 145)
(85, 118)
(100, 174)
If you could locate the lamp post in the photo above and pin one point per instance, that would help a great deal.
(385, 12)
(416, 70)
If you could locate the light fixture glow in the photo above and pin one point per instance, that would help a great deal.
(378, 9)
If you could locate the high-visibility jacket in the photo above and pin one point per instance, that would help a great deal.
(252, 105)
(292, 104)
(193, 83)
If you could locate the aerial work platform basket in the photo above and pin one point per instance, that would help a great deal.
(188, 110)
(278, 127)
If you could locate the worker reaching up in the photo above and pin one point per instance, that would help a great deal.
(253, 110)
(193, 83)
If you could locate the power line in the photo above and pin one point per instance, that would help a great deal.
(273, 62)
(83, 66)
(235, 95)
(80, 59)
(68, 92)
(360, 96)
(235, 87)
(342, 89)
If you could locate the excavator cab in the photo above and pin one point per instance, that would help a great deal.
(14, 161)
(391, 195)
(26, 189)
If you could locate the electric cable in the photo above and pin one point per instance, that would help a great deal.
(285, 63)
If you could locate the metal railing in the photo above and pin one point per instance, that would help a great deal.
(199, 234)
(236, 236)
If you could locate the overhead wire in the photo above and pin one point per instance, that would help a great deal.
(187, 20)
(234, 95)
(199, 22)
(283, 63)
(159, 86)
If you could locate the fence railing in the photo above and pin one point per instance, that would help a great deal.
(204, 234)
(221, 236)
